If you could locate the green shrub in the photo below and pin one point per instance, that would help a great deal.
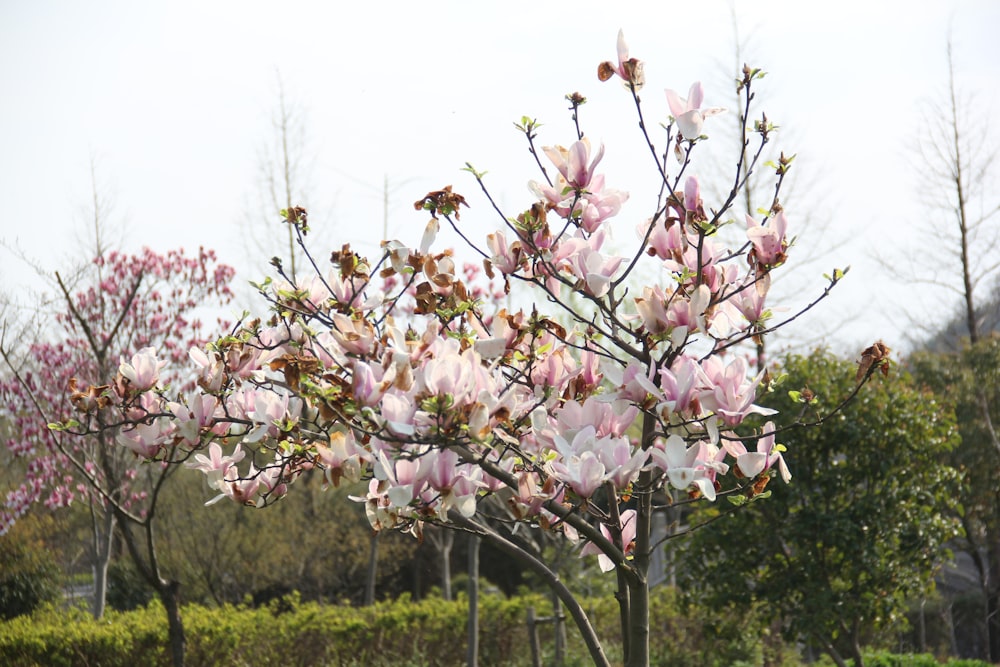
(430, 632)
(29, 574)
(127, 590)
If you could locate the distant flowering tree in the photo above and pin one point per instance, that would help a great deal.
(121, 309)
(581, 415)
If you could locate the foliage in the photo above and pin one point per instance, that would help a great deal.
(860, 530)
(887, 659)
(970, 377)
(29, 574)
(127, 589)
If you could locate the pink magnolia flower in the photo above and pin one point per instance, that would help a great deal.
(596, 270)
(355, 335)
(146, 440)
(455, 483)
(769, 243)
(269, 412)
(749, 300)
(215, 466)
(767, 454)
(599, 204)
(666, 239)
(688, 114)
(194, 415)
(627, 529)
(343, 458)
(622, 460)
(730, 393)
(144, 370)
(579, 465)
(686, 466)
(680, 387)
(505, 258)
(572, 163)
(630, 70)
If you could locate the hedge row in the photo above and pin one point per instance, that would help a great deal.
(402, 632)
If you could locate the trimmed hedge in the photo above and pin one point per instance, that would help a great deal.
(887, 659)
(401, 632)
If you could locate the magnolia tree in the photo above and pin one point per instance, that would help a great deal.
(120, 304)
(581, 416)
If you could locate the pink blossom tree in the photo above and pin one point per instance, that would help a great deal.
(122, 308)
(582, 415)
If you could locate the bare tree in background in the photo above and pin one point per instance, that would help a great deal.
(959, 190)
(285, 166)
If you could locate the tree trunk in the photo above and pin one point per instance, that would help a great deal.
(103, 537)
(372, 570)
(444, 548)
(638, 579)
(170, 595)
(993, 602)
(472, 650)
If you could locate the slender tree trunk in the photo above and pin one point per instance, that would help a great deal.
(148, 566)
(993, 600)
(832, 651)
(638, 580)
(859, 660)
(104, 530)
(472, 650)
(446, 565)
(170, 595)
(372, 570)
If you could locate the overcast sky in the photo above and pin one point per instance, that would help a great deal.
(173, 102)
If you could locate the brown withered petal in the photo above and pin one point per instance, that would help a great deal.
(760, 484)
(442, 201)
(875, 357)
(634, 69)
(605, 71)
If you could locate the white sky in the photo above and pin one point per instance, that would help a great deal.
(174, 101)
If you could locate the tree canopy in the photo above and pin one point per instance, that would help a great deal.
(837, 553)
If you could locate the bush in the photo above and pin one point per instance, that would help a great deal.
(402, 632)
(29, 574)
(127, 589)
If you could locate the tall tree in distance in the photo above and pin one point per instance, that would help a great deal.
(284, 168)
(958, 187)
(958, 182)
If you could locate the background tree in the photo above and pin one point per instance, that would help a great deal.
(839, 552)
(968, 378)
(121, 305)
(958, 182)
